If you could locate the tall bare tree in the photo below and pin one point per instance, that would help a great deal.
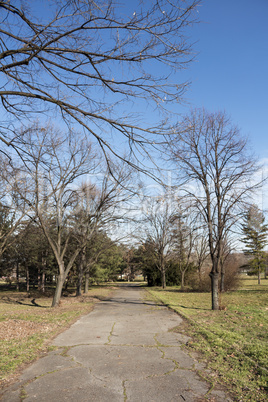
(13, 209)
(98, 208)
(54, 169)
(200, 251)
(159, 221)
(218, 174)
(90, 62)
(184, 234)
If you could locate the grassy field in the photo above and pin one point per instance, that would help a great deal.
(233, 340)
(27, 323)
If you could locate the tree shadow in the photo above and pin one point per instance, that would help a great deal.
(20, 301)
(192, 308)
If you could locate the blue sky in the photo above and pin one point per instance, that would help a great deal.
(231, 68)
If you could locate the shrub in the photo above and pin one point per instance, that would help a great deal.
(232, 279)
(202, 282)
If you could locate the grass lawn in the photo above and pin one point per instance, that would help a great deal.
(234, 340)
(27, 323)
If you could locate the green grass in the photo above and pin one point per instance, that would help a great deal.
(233, 341)
(26, 326)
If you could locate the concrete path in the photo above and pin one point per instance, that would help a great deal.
(121, 351)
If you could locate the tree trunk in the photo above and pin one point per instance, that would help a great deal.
(27, 279)
(215, 289)
(259, 276)
(57, 295)
(43, 282)
(163, 278)
(79, 279)
(199, 278)
(86, 282)
(43, 274)
(17, 277)
(182, 279)
(81, 270)
(39, 280)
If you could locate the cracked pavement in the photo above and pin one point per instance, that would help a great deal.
(121, 351)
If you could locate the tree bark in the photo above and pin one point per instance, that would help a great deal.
(39, 280)
(57, 295)
(215, 289)
(163, 278)
(182, 279)
(79, 279)
(86, 282)
(43, 274)
(43, 282)
(27, 279)
(81, 270)
(17, 277)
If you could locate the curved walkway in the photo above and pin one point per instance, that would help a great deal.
(121, 351)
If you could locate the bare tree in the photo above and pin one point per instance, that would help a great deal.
(89, 62)
(65, 208)
(98, 208)
(158, 224)
(183, 241)
(218, 174)
(200, 251)
(13, 209)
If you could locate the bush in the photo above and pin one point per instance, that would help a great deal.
(202, 283)
(232, 279)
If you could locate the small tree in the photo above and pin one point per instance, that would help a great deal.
(255, 239)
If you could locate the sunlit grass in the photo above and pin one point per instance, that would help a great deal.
(234, 341)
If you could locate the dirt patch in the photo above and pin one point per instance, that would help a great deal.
(16, 329)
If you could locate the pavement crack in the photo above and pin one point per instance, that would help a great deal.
(110, 335)
(65, 350)
(124, 390)
(158, 347)
(23, 394)
(208, 381)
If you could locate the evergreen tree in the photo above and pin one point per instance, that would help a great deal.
(255, 239)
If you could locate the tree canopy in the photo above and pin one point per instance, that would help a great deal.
(89, 63)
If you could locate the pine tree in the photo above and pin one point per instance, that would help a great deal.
(255, 239)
